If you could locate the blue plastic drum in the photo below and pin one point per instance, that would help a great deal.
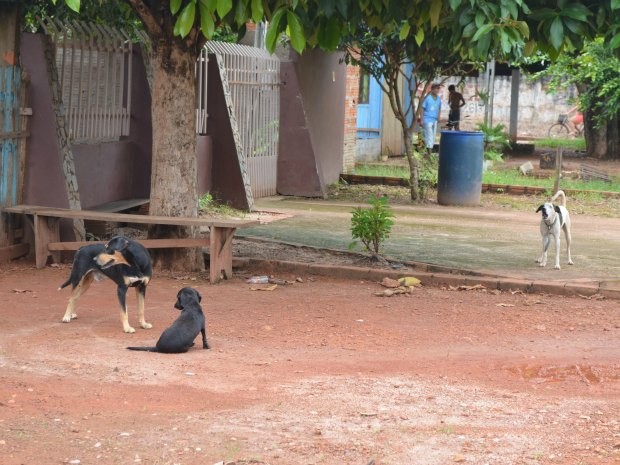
(459, 180)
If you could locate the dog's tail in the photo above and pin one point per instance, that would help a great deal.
(65, 284)
(144, 349)
(561, 194)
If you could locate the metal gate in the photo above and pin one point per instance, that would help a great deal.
(254, 80)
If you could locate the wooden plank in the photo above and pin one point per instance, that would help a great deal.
(148, 243)
(220, 254)
(589, 172)
(128, 217)
(13, 251)
(120, 205)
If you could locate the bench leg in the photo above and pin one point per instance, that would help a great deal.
(46, 230)
(220, 253)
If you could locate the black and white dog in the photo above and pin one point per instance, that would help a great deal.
(555, 218)
(179, 337)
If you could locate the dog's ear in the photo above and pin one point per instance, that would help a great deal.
(199, 296)
(557, 209)
(539, 208)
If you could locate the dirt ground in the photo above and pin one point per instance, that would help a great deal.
(316, 372)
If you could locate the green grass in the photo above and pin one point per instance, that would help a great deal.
(388, 171)
(569, 144)
(497, 176)
(515, 178)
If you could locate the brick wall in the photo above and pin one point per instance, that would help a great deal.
(350, 118)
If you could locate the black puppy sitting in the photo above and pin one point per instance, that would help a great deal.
(124, 261)
(179, 337)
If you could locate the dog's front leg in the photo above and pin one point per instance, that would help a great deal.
(141, 294)
(545, 246)
(121, 292)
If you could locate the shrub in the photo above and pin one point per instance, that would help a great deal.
(372, 226)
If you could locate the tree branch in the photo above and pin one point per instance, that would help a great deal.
(147, 17)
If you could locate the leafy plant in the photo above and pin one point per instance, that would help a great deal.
(372, 226)
(205, 201)
(495, 141)
(208, 205)
(429, 169)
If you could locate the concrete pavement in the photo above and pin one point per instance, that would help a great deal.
(495, 243)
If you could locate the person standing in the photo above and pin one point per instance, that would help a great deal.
(455, 101)
(429, 115)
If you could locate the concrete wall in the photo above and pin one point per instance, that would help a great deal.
(322, 78)
(105, 172)
(312, 123)
(538, 107)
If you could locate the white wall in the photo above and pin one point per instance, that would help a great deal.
(538, 108)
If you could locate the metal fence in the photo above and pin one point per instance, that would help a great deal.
(94, 70)
(253, 77)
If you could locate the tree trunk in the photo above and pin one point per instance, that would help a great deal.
(63, 142)
(414, 177)
(596, 138)
(173, 172)
(613, 139)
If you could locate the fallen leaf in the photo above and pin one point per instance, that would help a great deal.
(21, 291)
(504, 305)
(409, 281)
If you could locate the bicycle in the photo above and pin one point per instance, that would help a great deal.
(561, 129)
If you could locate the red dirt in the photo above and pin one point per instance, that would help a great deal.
(316, 372)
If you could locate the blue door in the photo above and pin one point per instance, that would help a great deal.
(10, 163)
(369, 108)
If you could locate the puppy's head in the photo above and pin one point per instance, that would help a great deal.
(187, 296)
(113, 253)
(548, 212)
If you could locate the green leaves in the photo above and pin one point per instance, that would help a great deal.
(185, 21)
(556, 33)
(275, 29)
(74, 5)
(372, 225)
(258, 12)
(296, 32)
(285, 19)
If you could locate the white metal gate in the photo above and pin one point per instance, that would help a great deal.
(254, 79)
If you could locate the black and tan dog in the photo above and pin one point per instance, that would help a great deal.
(124, 261)
(179, 337)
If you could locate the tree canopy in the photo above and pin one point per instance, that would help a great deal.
(507, 27)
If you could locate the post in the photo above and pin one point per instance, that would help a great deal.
(514, 103)
(558, 169)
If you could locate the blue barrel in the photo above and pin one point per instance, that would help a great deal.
(459, 180)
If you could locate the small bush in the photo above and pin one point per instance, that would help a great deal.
(372, 226)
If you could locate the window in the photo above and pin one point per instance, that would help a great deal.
(364, 89)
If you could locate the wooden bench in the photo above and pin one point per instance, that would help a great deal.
(46, 226)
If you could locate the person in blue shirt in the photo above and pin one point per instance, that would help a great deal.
(429, 115)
